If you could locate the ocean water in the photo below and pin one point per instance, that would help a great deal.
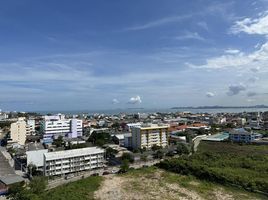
(168, 110)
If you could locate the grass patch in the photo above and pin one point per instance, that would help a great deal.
(82, 189)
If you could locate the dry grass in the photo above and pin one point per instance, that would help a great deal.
(155, 184)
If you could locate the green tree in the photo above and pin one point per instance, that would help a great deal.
(38, 185)
(58, 142)
(128, 156)
(124, 166)
(159, 154)
(156, 147)
(110, 152)
(144, 158)
(182, 149)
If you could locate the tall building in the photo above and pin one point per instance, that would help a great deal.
(54, 126)
(30, 127)
(148, 135)
(75, 160)
(18, 131)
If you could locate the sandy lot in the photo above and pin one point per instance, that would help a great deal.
(151, 187)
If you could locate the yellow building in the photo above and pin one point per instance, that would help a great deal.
(18, 131)
(148, 135)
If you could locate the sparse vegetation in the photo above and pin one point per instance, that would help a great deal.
(226, 163)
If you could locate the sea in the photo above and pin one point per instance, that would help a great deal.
(163, 110)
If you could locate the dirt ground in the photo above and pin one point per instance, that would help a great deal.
(151, 188)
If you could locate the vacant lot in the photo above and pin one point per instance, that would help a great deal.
(226, 163)
(152, 184)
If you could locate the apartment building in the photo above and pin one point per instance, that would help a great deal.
(148, 135)
(30, 127)
(75, 160)
(54, 126)
(18, 131)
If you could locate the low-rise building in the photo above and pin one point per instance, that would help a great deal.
(35, 155)
(75, 160)
(241, 135)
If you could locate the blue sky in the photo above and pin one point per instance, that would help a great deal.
(103, 54)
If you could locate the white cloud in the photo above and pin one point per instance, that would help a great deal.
(190, 36)
(235, 89)
(115, 101)
(158, 22)
(135, 100)
(240, 60)
(210, 94)
(252, 26)
(232, 51)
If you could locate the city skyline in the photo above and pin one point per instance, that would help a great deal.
(61, 55)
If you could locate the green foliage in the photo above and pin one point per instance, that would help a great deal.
(225, 163)
(100, 139)
(144, 158)
(110, 152)
(82, 189)
(58, 142)
(34, 190)
(124, 166)
(156, 147)
(159, 154)
(182, 149)
(38, 185)
(128, 156)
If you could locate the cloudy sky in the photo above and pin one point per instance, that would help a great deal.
(103, 54)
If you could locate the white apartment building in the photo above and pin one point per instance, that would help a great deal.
(30, 127)
(148, 135)
(18, 131)
(54, 126)
(75, 160)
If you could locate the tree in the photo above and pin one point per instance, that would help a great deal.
(156, 147)
(100, 139)
(19, 192)
(128, 156)
(182, 149)
(38, 185)
(32, 170)
(110, 152)
(58, 142)
(144, 158)
(125, 166)
(159, 154)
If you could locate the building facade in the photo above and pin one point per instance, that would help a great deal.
(71, 161)
(54, 126)
(241, 135)
(18, 131)
(148, 135)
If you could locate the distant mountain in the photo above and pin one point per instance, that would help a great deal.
(220, 107)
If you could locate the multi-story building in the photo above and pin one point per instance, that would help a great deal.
(75, 160)
(241, 135)
(54, 126)
(265, 120)
(18, 131)
(30, 127)
(148, 135)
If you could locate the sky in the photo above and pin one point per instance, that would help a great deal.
(103, 54)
